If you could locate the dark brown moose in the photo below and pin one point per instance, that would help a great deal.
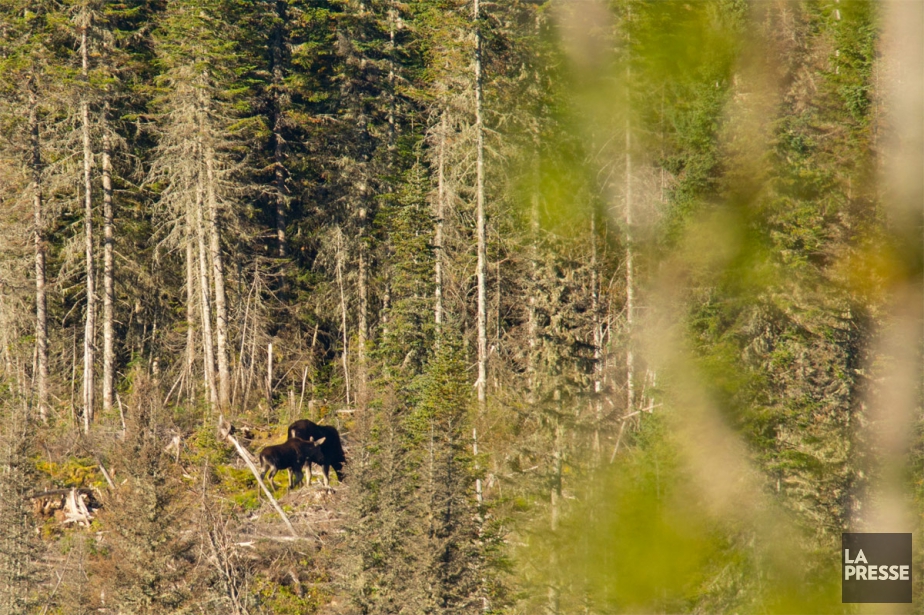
(328, 439)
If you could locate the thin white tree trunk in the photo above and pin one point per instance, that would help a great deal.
(554, 593)
(392, 18)
(280, 181)
(479, 500)
(630, 264)
(343, 317)
(41, 312)
(89, 343)
(221, 310)
(269, 374)
(386, 304)
(438, 231)
(279, 171)
(108, 287)
(190, 303)
(480, 221)
(630, 280)
(532, 331)
(208, 356)
(598, 337)
(362, 334)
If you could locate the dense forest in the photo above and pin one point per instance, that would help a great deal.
(615, 304)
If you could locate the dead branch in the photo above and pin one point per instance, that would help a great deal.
(225, 429)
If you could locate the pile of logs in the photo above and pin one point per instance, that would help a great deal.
(75, 505)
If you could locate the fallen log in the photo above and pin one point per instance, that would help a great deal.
(225, 429)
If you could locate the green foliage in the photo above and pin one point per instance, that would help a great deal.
(73, 472)
(206, 448)
(281, 600)
(643, 540)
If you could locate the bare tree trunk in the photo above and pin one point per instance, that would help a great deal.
(392, 18)
(269, 375)
(279, 171)
(532, 331)
(108, 288)
(89, 343)
(74, 379)
(5, 332)
(630, 281)
(598, 337)
(343, 317)
(438, 231)
(630, 255)
(554, 594)
(208, 356)
(221, 310)
(190, 305)
(280, 181)
(386, 304)
(362, 334)
(41, 311)
(480, 221)
(479, 519)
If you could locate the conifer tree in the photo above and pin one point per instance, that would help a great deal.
(29, 62)
(148, 559)
(199, 163)
(453, 566)
(20, 549)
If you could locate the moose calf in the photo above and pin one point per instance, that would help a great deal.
(291, 455)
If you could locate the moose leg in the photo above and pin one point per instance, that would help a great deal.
(295, 477)
(325, 469)
(308, 474)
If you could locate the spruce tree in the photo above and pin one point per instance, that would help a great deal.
(198, 168)
(147, 562)
(21, 551)
(30, 62)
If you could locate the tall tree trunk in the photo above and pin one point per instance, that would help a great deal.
(269, 375)
(438, 231)
(532, 330)
(208, 351)
(89, 343)
(190, 302)
(480, 220)
(108, 288)
(280, 183)
(392, 99)
(630, 280)
(598, 337)
(363, 326)
(479, 517)
(630, 250)
(554, 593)
(41, 311)
(221, 309)
(343, 316)
(279, 170)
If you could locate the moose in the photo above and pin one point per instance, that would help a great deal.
(291, 455)
(331, 450)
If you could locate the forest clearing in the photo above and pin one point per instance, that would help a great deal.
(363, 307)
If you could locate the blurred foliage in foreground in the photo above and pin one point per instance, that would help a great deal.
(770, 277)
